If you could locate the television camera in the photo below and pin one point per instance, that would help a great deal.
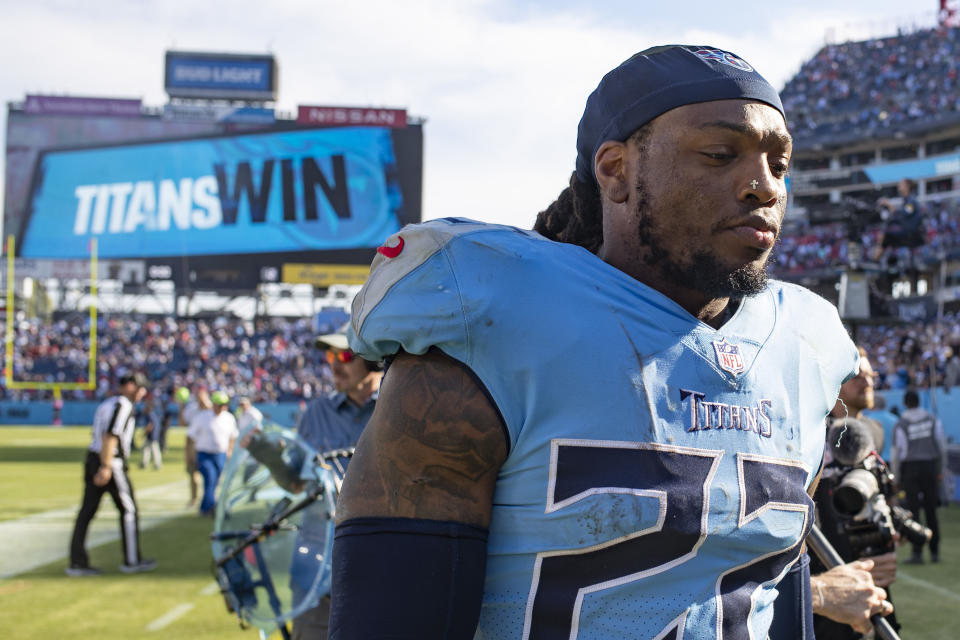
(902, 226)
(860, 516)
(857, 215)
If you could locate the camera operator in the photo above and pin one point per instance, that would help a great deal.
(849, 595)
(855, 517)
(857, 396)
(904, 223)
(918, 457)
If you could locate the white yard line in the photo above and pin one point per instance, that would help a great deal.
(210, 589)
(926, 585)
(170, 616)
(43, 538)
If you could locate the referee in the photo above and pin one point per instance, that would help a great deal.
(106, 472)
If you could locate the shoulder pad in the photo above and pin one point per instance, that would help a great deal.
(413, 297)
(403, 252)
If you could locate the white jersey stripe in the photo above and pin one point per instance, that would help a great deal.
(114, 416)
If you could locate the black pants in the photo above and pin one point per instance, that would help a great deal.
(121, 491)
(313, 623)
(919, 481)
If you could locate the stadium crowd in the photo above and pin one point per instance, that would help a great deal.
(809, 247)
(271, 360)
(856, 88)
(862, 88)
(920, 354)
(274, 360)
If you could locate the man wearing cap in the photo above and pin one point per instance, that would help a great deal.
(106, 471)
(335, 421)
(332, 421)
(607, 429)
(211, 434)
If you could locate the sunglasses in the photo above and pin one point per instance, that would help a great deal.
(339, 356)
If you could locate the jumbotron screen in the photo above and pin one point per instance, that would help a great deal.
(298, 190)
(269, 198)
(30, 133)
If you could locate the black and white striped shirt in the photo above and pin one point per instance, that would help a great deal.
(115, 416)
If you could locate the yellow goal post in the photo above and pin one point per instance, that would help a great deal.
(57, 387)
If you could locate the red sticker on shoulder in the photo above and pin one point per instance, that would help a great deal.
(391, 252)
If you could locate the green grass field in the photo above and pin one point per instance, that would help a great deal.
(40, 470)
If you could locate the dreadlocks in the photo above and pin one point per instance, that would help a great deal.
(576, 216)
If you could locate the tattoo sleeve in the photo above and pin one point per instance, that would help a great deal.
(431, 450)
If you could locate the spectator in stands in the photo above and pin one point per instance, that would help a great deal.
(266, 359)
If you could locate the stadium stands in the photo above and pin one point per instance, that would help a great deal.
(269, 360)
(805, 247)
(915, 354)
(845, 93)
(857, 90)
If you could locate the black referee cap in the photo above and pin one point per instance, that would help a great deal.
(138, 378)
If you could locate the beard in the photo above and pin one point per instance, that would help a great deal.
(703, 272)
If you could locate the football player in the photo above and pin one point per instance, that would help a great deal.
(606, 429)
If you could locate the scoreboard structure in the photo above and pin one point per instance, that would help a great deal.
(212, 195)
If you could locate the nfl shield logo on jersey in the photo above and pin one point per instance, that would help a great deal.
(728, 356)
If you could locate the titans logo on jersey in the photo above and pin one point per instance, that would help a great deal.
(656, 481)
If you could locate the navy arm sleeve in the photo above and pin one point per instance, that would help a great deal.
(793, 608)
(406, 579)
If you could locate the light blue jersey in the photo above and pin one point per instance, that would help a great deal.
(656, 480)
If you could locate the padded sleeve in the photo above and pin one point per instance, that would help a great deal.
(412, 299)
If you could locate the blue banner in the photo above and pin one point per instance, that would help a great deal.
(914, 169)
(306, 189)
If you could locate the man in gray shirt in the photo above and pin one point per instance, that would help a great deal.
(335, 421)
(918, 457)
(332, 421)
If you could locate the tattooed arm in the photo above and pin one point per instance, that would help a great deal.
(410, 549)
(431, 450)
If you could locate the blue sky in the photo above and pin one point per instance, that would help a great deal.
(501, 84)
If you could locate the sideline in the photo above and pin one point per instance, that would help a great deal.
(906, 577)
(44, 537)
(170, 616)
(180, 610)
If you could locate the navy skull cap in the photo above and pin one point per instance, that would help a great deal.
(657, 80)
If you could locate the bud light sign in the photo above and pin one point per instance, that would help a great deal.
(213, 75)
(297, 190)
